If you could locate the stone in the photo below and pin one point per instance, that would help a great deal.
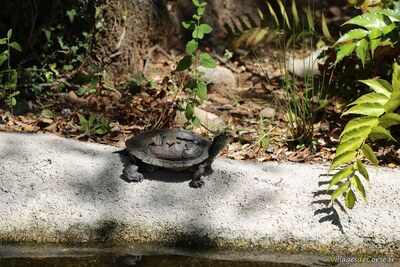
(308, 66)
(267, 113)
(221, 78)
(208, 119)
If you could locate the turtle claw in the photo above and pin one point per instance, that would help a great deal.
(196, 183)
(131, 174)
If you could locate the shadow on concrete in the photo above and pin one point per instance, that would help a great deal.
(328, 211)
(160, 174)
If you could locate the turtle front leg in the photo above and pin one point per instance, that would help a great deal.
(131, 173)
(196, 181)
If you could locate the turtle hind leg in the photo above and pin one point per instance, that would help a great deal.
(196, 181)
(131, 174)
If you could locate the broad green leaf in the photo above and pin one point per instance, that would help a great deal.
(16, 46)
(360, 187)
(200, 10)
(191, 46)
(340, 190)
(9, 33)
(196, 17)
(3, 41)
(196, 121)
(207, 61)
(362, 170)
(394, 101)
(379, 132)
(349, 145)
(375, 39)
(82, 120)
(47, 33)
(196, 2)
(361, 50)
(188, 25)
(71, 15)
(340, 175)
(379, 86)
(367, 152)
(101, 131)
(350, 199)
(199, 31)
(351, 35)
(388, 28)
(393, 14)
(184, 63)
(92, 117)
(3, 57)
(371, 98)
(367, 109)
(368, 20)
(396, 77)
(201, 89)
(189, 111)
(205, 28)
(344, 51)
(343, 158)
(357, 123)
(389, 119)
(374, 34)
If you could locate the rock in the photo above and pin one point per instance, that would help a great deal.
(307, 66)
(208, 120)
(267, 113)
(219, 100)
(220, 79)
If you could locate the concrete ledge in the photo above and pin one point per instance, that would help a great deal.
(54, 190)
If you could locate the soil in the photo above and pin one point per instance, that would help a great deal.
(132, 107)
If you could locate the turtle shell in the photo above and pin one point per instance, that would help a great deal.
(175, 148)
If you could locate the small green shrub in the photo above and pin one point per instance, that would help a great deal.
(93, 125)
(8, 76)
(378, 114)
(365, 51)
(377, 28)
(196, 88)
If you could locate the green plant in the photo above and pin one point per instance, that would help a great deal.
(94, 125)
(377, 28)
(370, 5)
(378, 114)
(96, 81)
(8, 77)
(228, 54)
(289, 27)
(196, 88)
(302, 95)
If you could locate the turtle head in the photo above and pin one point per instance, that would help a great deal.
(219, 143)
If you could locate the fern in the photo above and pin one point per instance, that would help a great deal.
(377, 109)
(251, 33)
(377, 28)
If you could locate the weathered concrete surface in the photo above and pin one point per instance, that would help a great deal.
(58, 190)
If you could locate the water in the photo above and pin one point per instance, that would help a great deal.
(139, 261)
(83, 256)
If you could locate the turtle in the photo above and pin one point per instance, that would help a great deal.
(173, 149)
